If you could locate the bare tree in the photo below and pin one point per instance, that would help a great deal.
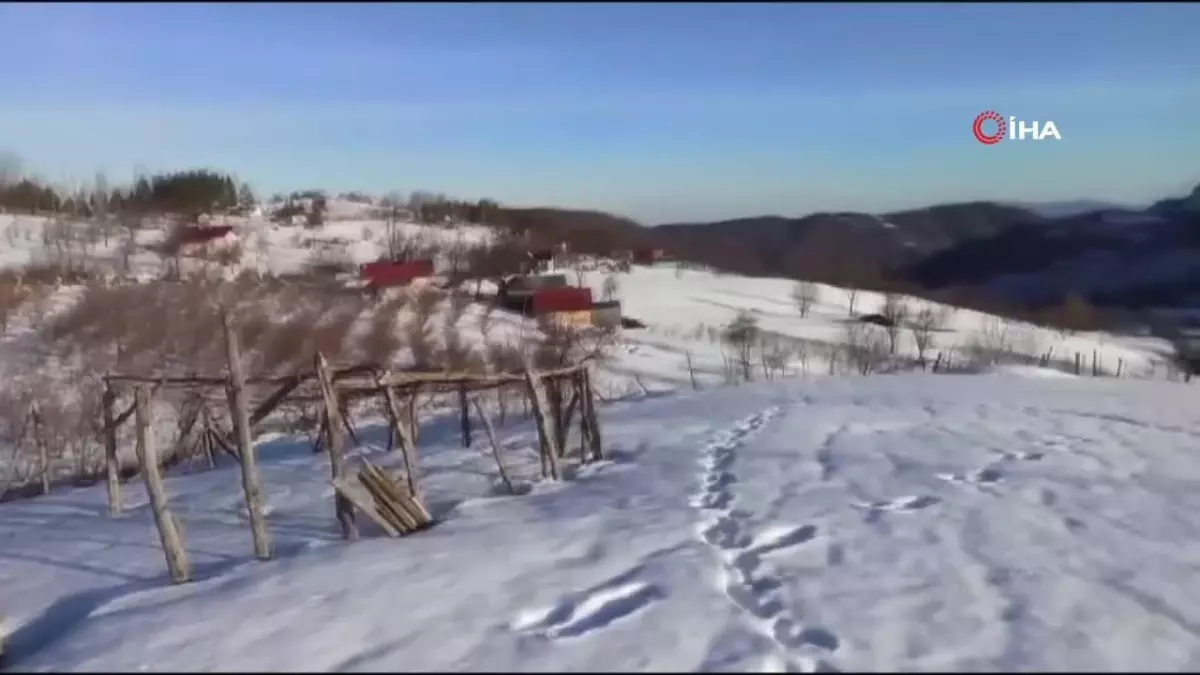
(13, 295)
(419, 331)
(805, 294)
(852, 298)
(865, 347)
(894, 311)
(382, 340)
(775, 356)
(990, 344)
(924, 326)
(742, 334)
(612, 287)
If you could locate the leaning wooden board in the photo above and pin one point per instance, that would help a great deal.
(394, 490)
(352, 488)
(384, 499)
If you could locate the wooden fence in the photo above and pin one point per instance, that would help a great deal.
(553, 396)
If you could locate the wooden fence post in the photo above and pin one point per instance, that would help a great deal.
(402, 436)
(691, 370)
(39, 440)
(464, 415)
(240, 413)
(168, 527)
(111, 465)
(568, 414)
(335, 444)
(588, 412)
(554, 396)
(491, 435)
(414, 425)
(537, 401)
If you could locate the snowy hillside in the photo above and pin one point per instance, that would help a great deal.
(887, 523)
(685, 310)
(812, 522)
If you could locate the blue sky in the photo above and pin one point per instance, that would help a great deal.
(660, 112)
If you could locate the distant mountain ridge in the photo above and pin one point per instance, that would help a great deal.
(1030, 253)
(1033, 254)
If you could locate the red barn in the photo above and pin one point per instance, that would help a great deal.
(386, 273)
(570, 299)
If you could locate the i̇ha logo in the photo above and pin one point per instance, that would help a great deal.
(1012, 129)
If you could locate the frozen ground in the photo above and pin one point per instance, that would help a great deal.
(993, 522)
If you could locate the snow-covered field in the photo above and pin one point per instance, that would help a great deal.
(993, 522)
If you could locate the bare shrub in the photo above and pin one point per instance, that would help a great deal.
(330, 335)
(282, 349)
(775, 356)
(894, 311)
(14, 422)
(457, 354)
(564, 343)
(382, 342)
(14, 293)
(741, 334)
(560, 345)
(805, 295)
(419, 331)
(505, 357)
(924, 326)
(404, 246)
(612, 287)
(990, 344)
(121, 323)
(64, 246)
(865, 347)
(329, 261)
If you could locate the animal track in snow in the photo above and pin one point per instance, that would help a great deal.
(992, 473)
(986, 476)
(825, 459)
(741, 574)
(724, 533)
(582, 613)
(779, 538)
(717, 460)
(902, 504)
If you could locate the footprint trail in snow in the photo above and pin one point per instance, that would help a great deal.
(744, 576)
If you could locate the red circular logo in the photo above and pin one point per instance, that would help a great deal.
(986, 138)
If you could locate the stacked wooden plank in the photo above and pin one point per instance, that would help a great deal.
(384, 500)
